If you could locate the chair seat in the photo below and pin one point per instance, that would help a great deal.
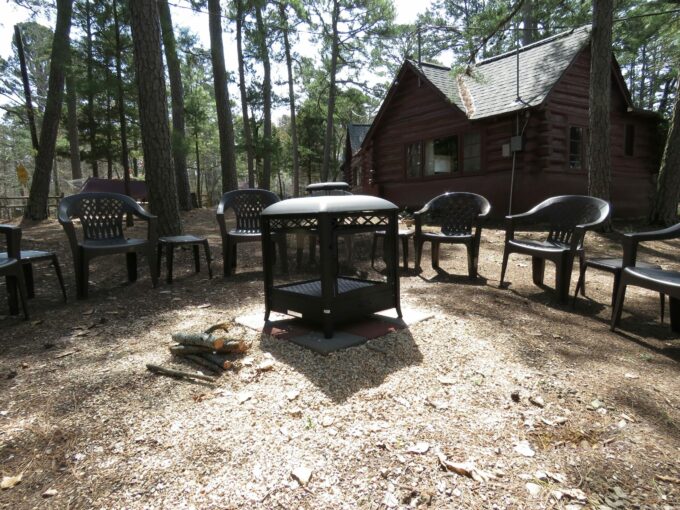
(113, 244)
(6, 262)
(186, 239)
(542, 246)
(31, 255)
(402, 233)
(653, 277)
(440, 236)
(615, 265)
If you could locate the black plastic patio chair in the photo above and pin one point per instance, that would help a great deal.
(247, 205)
(565, 219)
(101, 217)
(652, 278)
(459, 216)
(10, 268)
(30, 257)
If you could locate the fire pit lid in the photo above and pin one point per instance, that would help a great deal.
(328, 204)
(326, 186)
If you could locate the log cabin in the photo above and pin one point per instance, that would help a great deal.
(518, 120)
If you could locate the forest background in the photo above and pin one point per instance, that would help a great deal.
(300, 72)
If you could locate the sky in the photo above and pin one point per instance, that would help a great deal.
(10, 14)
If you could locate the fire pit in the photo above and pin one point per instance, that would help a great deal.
(330, 298)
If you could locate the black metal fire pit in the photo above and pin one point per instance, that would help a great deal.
(331, 299)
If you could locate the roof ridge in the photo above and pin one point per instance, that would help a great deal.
(429, 64)
(533, 45)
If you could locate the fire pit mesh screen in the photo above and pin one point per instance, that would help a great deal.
(313, 288)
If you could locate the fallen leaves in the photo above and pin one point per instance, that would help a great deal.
(11, 481)
(464, 469)
(302, 474)
(418, 448)
(525, 449)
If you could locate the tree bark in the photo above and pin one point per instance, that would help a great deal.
(225, 122)
(267, 92)
(199, 192)
(599, 152)
(27, 87)
(665, 209)
(92, 124)
(153, 116)
(529, 22)
(247, 134)
(291, 101)
(122, 119)
(335, 49)
(179, 143)
(40, 185)
(72, 124)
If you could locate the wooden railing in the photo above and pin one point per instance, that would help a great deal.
(12, 207)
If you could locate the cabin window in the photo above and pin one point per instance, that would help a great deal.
(414, 159)
(441, 156)
(472, 145)
(629, 140)
(576, 147)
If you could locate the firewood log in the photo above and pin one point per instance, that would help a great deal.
(184, 350)
(200, 339)
(218, 359)
(205, 363)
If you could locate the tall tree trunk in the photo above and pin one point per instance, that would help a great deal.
(291, 101)
(92, 124)
(122, 119)
(667, 88)
(267, 92)
(27, 87)
(599, 152)
(179, 143)
(40, 185)
(153, 115)
(198, 173)
(665, 210)
(529, 22)
(335, 50)
(72, 125)
(643, 76)
(109, 126)
(225, 122)
(247, 134)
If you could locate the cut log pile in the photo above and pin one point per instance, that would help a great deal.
(214, 351)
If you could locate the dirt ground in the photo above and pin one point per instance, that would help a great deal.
(421, 417)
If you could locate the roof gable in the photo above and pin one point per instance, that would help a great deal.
(491, 87)
(355, 136)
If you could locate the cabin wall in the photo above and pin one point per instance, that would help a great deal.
(541, 169)
(633, 176)
(417, 112)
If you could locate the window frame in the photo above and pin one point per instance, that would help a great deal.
(458, 162)
(582, 149)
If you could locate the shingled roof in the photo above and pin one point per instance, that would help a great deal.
(492, 87)
(356, 134)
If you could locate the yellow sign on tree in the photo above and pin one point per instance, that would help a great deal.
(22, 174)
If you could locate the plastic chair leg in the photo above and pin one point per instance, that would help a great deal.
(537, 270)
(57, 269)
(28, 278)
(131, 262)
